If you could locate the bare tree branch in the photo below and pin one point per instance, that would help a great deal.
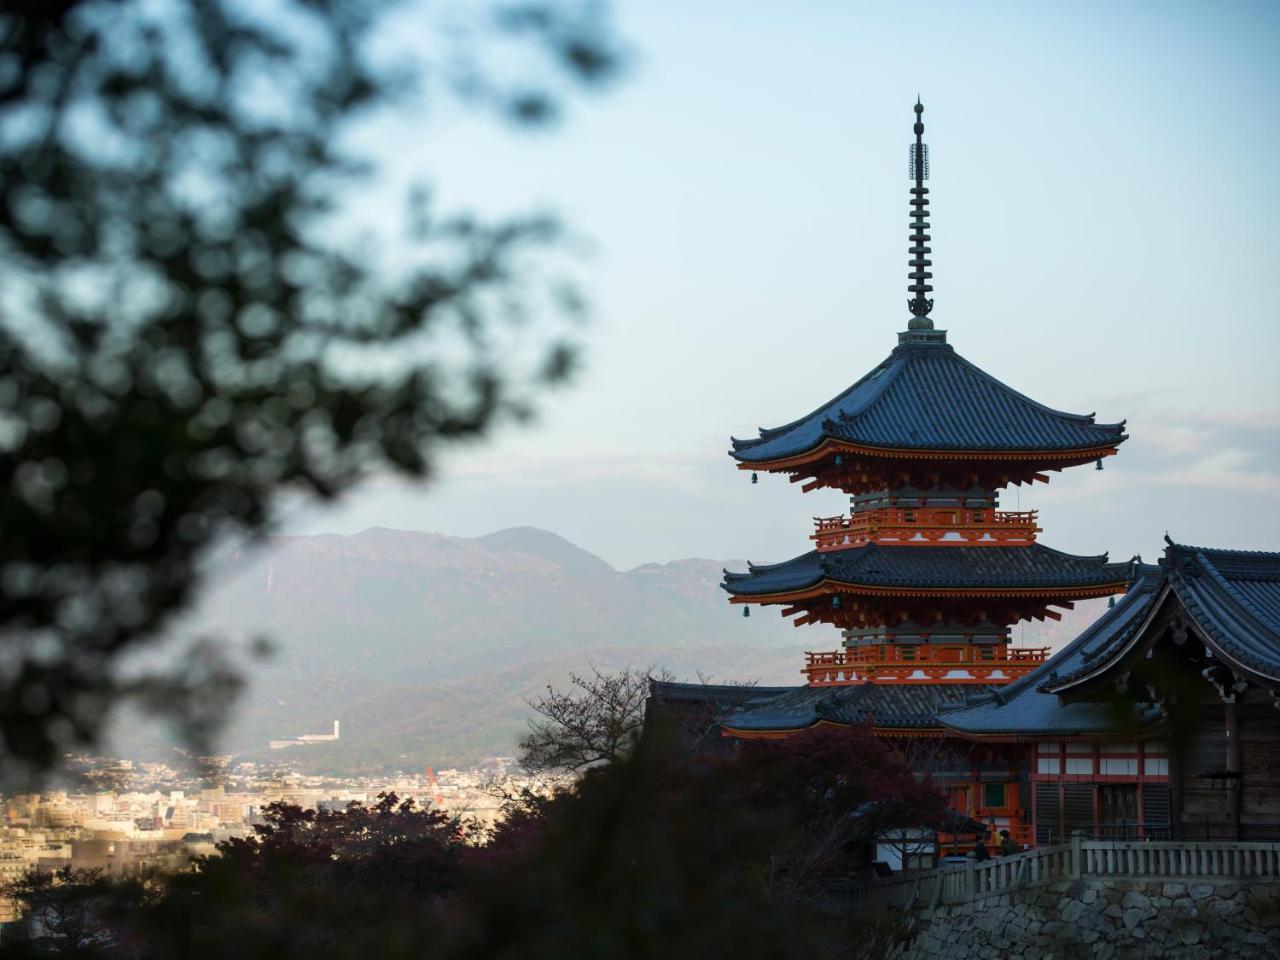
(596, 720)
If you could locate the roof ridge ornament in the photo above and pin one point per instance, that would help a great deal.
(920, 327)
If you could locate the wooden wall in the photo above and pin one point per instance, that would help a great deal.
(1260, 769)
(1248, 807)
(1207, 807)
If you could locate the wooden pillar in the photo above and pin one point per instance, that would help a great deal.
(1231, 719)
(1175, 751)
(1231, 725)
(1142, 789)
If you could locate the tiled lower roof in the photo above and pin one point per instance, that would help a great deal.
(1022, 708)
(727, 693)
(1233, 596)
(884, 704)
(931, 567)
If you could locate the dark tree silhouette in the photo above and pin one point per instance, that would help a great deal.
(185, 334)
(670, 854)
(661, 854)
(65, 911)
(842, 789)
(365, 881)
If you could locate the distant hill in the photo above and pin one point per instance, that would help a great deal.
(427, 647)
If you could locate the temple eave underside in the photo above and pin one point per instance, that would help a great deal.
(849, 594)
(871, 469)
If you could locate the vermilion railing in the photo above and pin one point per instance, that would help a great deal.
(979, 663)
(908, 653)
(928, 526)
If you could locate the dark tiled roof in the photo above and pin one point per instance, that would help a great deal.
(926, 396)
(1232, 595)
(697, 709)
(887, 704)
(936, 567)
(723, 693)
(1023, 708)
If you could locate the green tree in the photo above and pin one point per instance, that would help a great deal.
(185, 333)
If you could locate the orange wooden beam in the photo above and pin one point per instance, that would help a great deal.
(828, 448)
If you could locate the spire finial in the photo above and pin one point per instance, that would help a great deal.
(919, 304)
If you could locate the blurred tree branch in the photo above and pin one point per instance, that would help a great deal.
(184, 335)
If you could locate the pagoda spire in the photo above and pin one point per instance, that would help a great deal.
(919, 304)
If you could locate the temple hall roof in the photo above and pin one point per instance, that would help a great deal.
(725, 696)
(1022, 708)
(931, 567)
(764, 709)
(1231, 596)
(903, 705)
(925, 396)
(1234, 597)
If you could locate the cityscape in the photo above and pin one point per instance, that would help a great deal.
(143, 817)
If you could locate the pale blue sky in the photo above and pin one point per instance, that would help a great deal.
(1104, 195)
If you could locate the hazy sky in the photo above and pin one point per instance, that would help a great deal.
(1104, 196)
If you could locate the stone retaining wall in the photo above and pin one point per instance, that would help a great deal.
(1105, 920)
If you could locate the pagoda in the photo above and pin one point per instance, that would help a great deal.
(926, 576)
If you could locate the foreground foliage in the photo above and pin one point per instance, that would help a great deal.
(188, 330)
(659, 855)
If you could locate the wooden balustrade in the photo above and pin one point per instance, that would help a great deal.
(914, 653)
(927, 526)
(898, 661)
(1170, 859)
(1190, 861)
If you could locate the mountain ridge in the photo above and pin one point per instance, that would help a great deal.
(428, 646)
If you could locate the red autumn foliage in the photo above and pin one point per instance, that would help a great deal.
(833, 770)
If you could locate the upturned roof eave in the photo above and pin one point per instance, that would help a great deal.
(1174, 586)
(828, 585)
(1061, 732)
(864, 395)
(1236, 643)
(830, 445)
(1087, 675)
